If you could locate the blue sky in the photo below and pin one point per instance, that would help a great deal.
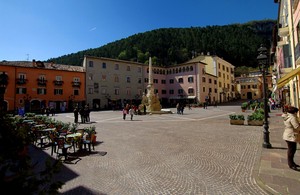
(43, 29)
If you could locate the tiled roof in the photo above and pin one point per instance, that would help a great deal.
(43, 65)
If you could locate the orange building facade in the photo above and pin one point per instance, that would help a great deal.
(34, 86)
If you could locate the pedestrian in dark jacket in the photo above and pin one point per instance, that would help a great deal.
(76, 115)
(81, 112)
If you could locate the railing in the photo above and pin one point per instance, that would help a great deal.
(76, 84)
(58, 83)
(41, 82)
(21, 81)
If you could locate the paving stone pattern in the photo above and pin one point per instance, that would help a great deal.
(198, 152)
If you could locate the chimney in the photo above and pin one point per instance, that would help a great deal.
(33, 63)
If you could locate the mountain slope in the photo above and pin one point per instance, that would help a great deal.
(236, 43)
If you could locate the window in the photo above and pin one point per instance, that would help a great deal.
(163, 81)
(128, 68)
(21, 90)
(155, 91)
(171, 81)
(146, 80)
(41, 91)
(171, 91)
(128, 91)
(91, 77)
(103, 90)
(219, 73)
(103, 77)
(90, 91)
(76, 79)
(104, 65)
(58, 91)
(191, 68)
(190, 79)
(216, 91)
(215, 82)
(116, 79)
(180, 80)
(191, 91)
(220, 84)
(223, 67)
(139, 69)
(128, 79)
(209, 80)
(96, 85)
(155, 80)
(22, 76)
(117, 92)
(203, 89)
(139, 80)
(116, 66)
(180, 91)
(203, 79)
(163, 91)
(76, 92)
(209, 90)
(91, 64)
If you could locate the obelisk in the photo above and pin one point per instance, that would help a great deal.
(153, 100)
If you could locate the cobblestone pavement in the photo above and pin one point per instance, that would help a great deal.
(198, 152)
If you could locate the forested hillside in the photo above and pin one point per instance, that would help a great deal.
(236, 43)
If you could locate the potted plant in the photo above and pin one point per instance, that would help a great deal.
(256, 118)
(236, 119)
(244, 106)
(90, 130)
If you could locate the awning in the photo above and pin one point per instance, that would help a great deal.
(289, 76)
(191, 97)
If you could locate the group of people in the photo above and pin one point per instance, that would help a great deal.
(84, 113)
(180, 108)
(129, 109)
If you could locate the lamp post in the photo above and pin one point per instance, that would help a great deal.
(262, 59)
(3, 84)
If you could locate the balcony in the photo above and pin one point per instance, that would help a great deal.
(42, 82)
(21, 81)
(76, 84)
(58, 83)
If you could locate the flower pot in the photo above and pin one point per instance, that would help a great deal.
(255, 123)
(236, 122)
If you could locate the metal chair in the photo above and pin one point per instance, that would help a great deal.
(62, 148)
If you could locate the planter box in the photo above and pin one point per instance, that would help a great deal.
(236, 122)
(255, 123)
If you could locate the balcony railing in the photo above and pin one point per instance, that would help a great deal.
(42, 82)
(58, 83)
(21, 81)
(76, 84)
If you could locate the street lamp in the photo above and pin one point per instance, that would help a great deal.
(262, 59)
(3, 84)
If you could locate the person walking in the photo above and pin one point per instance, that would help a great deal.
(291, 134)
(76, 115)
(124, 113)
(81, 112)
(131, 112)
(87, 113)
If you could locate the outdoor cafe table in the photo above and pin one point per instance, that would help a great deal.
(74, 138)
